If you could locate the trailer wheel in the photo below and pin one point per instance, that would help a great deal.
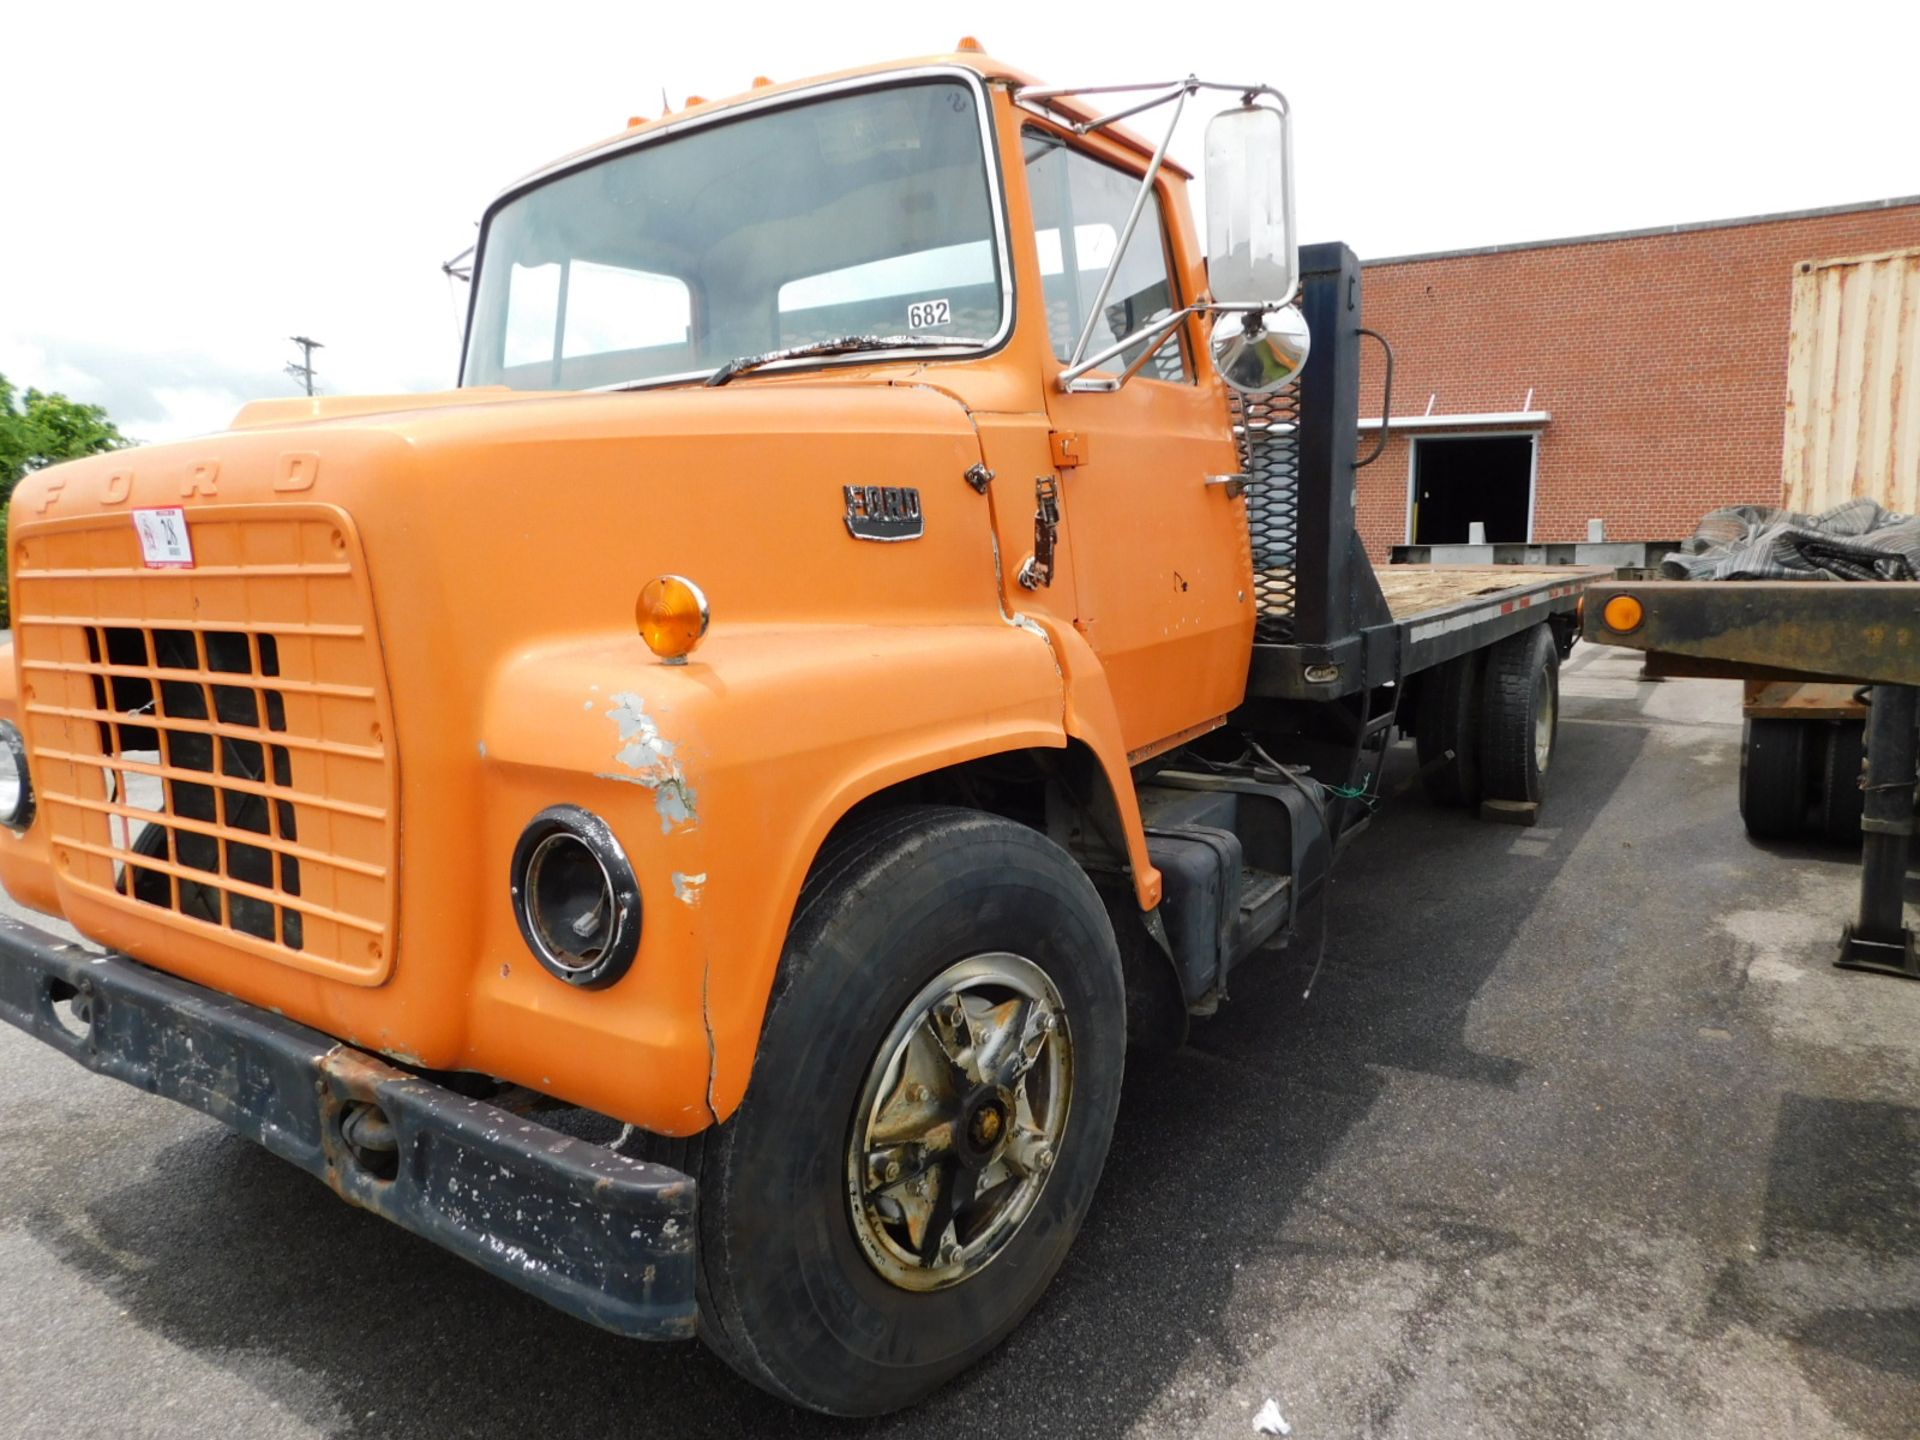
(1444, 726)
(1842, 801)
(931, 1106)
(1519, 715)
(1776, 771)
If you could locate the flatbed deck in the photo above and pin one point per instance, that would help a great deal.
(1439, 612)
(1446, 610)
(1413, 590)
(1859, 631)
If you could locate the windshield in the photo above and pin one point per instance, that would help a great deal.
(860, 214)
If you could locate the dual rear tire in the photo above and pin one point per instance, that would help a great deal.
(1486, 723)
(1801, 778)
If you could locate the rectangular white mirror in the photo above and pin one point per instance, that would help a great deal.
(1252, 254)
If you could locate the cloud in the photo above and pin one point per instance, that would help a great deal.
(152, 394)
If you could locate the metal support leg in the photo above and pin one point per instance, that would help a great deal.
(1880, 940)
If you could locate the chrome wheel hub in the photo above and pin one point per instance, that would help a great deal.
(959, 1121)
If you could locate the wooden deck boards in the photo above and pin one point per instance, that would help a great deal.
(1416, 589)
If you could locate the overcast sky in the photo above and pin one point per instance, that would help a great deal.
(186, 185)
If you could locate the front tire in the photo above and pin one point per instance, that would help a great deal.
(827, 1279)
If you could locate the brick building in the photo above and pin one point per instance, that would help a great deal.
(1637, 379)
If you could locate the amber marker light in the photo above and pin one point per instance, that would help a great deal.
(1623, 613)
(673, 617)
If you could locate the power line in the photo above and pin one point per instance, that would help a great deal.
(302, 369)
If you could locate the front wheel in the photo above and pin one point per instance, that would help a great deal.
(930, 1111)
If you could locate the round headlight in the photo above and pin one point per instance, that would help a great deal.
(16, 789)
(576, 896)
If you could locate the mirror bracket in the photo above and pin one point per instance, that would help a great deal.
(1166, 93)
(1075, 378)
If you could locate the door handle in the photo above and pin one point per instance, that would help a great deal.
(1234, 485)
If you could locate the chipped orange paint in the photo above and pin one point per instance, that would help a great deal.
(507, 534)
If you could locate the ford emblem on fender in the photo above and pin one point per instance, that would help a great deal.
(884, 512)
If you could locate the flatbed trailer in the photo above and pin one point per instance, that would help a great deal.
(1792, 642)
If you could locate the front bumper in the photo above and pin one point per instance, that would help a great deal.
(606, 1238)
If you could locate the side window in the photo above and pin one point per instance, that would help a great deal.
(1080, 206)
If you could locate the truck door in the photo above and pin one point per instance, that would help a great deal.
(1162, 575)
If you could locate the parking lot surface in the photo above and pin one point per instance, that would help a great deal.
(1577, 1134)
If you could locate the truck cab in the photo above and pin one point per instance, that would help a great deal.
(797, 698)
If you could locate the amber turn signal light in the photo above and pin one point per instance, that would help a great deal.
(1623, 613)
(673, 617)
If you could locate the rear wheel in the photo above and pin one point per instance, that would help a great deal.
(931, 1106)
(1842, 801)
(1776, 771)
(1444, 731)
(1519, 715)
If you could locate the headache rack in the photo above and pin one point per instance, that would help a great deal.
(210, 745)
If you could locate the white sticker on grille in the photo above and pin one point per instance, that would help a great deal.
(164, 542)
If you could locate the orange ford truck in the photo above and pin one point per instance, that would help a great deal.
(692, 819)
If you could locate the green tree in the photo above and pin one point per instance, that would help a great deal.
(38, 429)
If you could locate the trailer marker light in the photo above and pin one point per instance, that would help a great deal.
(1623, 613)
(673, 616)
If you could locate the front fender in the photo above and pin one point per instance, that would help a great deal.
(721, 778)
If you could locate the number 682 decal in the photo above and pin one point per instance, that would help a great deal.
(926, 314)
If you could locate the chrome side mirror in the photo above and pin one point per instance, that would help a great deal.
(1252, 253)
(1259, 352)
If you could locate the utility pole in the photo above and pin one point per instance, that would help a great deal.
(302, 369)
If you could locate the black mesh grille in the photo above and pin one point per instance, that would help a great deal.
(1268, 429)
(194, 724)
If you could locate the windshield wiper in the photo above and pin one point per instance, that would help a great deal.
(845, 345)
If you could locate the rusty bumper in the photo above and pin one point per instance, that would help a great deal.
(606, 1238)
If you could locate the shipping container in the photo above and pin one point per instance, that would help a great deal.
(1853, 383)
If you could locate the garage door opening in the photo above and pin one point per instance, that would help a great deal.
(1460, 479)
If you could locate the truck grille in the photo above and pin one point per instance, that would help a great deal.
(209, 745)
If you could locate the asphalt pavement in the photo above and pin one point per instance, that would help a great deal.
(1577, 1134)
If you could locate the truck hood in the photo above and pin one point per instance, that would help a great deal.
(475, 558)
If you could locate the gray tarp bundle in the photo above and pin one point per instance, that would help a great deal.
(1855, 540)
